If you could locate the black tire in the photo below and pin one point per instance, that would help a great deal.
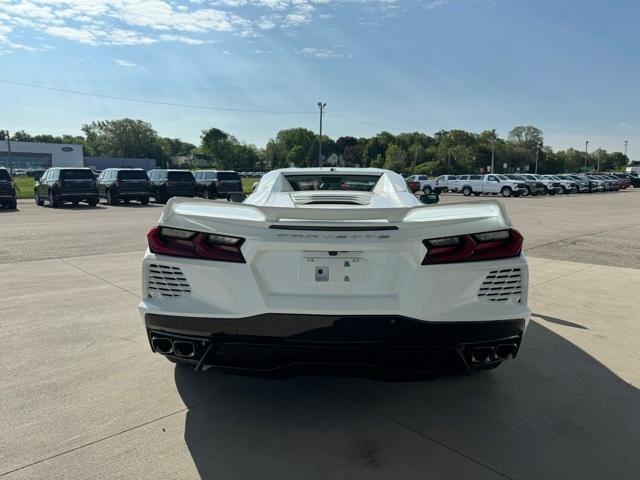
(546, 191)
(516, 194)
(477, 194)
(552, 192)
(39, 201)
(565, 190)
(111, 199)
(162, 197)
(92, 202)
(528, 192)
(75, 203)
(13, 204)
(144, 200)
(506, 192)
(205, 193)
(466, 191)
(53, 201)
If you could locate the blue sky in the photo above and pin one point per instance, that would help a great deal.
(569, 67)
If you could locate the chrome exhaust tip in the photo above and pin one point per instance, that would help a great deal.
(184, 349)
(162, 345)
(505, 350)
(482, 354)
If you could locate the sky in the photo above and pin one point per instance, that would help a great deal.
(253, 67)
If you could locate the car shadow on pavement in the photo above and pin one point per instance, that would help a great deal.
(554, 412)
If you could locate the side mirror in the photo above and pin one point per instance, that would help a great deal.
(236, 197)
(429, 198)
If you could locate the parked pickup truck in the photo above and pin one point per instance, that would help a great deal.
(425, 185)
(494, 184)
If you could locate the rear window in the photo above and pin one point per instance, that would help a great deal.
(333, 182)
(475, 177)
(77, 175)
(228, 176)
(181, 176)
(132, 175)
(4, 175)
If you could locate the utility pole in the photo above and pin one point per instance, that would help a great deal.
(493, 156)
(586, 153)
(599, 152)
(321, 106)
(415, 159)
(537, 153)
(626, 145)
(6, 132)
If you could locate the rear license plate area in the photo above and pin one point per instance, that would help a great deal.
(332, 270)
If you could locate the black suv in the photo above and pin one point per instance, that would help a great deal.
(165, 184)
(217, 183)
(59, 185)
(7, 190)
(126, 184)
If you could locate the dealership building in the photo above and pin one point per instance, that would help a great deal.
(37, 156)
(31, 156)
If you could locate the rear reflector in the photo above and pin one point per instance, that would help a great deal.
(474, 247)
(186, 243)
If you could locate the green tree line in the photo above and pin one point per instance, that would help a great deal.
(446, 151)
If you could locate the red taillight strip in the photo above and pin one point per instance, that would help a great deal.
(470, 249)
(197, 245)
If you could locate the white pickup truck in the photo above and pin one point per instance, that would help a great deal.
(485, 184)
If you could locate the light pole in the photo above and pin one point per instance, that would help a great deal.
(537, 153)
(321, 106)
(6, 132)
(586, 153)
(493, 154)
(626, 145)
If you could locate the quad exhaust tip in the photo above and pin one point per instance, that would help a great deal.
(162, 345)
(184, 349)
(489, 353)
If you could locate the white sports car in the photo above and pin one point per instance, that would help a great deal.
(341, 269)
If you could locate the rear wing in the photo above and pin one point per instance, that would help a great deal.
(192, 212)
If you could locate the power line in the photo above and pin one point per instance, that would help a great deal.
(377, 125)
(154, 102)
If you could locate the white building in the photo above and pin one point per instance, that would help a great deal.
(32, 156)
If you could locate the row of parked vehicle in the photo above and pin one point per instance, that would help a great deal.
(57, 186)
(516, 185)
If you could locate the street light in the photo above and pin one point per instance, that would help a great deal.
(586, 153)
(321, 106)
(6, 133)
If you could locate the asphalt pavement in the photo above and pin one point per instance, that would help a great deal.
(84, 398)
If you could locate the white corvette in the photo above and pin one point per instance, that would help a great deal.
(339, 269)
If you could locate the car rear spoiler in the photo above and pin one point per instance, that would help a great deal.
(200, 210)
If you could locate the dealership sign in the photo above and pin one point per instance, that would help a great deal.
(67, 149)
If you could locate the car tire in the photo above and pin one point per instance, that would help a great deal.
(39, 201)
(53, 201)
(13, 204)
(466, 191)
(92, 202)
(205, 194)
(111, 200)
(144, 200)
(527, 193)
(506, 192)
(75, 203)
(162, 197)
(477, 194)
(546, 191)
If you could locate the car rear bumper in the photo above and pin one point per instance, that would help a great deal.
(373, 345)
(76, 196)
(133, 194)
(6, 197)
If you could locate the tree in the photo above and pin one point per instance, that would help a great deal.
(526, 136)
(395, 158)
(122, 138)
(345, 142)
(296, 156)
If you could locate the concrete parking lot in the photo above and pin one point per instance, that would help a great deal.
(83, 397)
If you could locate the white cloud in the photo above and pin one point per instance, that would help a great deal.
(144, 22)
(321, 53)
(126, 64)
(435, 4)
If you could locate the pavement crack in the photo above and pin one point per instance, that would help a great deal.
(533, 285)
(113, 435)
(586, 234)
(425, 436)
(99, 278)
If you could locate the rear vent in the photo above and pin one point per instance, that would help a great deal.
(331, 197)
(167, 281)
(502, 286)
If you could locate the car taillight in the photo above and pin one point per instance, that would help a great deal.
(473, 247)
(186, 243)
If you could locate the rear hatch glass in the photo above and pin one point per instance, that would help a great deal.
(77, 175)
(333, 182)
(228, 176)
(4, 176)
(180, 176)
(132, 175)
